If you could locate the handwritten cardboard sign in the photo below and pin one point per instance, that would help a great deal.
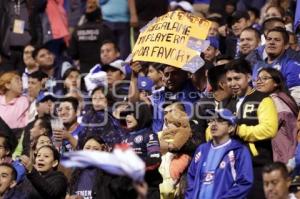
(176, 39)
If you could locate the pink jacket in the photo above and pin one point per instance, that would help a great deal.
(285, 142)
(15, 112)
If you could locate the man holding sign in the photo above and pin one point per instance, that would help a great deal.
(176, 40)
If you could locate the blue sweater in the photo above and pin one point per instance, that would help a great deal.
(232, 179)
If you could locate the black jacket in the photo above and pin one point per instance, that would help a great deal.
(86, 41)
(48, 186)
(35, 26)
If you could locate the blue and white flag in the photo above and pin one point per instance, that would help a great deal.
(119, 162)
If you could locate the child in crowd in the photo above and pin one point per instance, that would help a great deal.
(221, 168)
(144, 142)
(155, 73)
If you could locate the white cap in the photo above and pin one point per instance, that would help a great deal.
(185, 5)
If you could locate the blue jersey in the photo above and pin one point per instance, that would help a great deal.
(146, 145)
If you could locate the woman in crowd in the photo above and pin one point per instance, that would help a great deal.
(38, 142)
(98, 119)
(94, 183)
(43, 179)
(13, 106)
(271, 81)
(137, 120)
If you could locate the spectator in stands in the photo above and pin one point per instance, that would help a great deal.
(176, 81)
(44, 181)
(221, 167)
(72, 81)
(254, 17)
(276, 181)
(274, 11)
(109, 52)
(38, 142)
(271, 81)
(13, 106)
(249, 41)
(98, 184)
(84, 182)
(50, 65)
(276, 48)
(118, 20)
(140, 137)
(87, 38)
(213, 49)
(257, 118)
(20, 25)
(215, 25)
(67, 113)
(237, 22)
(44, 108)
(8, 183)
(36, 83)
(98, 119)
(140, 69)
(293, 41)
(41, 126)
(116, 73)
(30, 65)
(155, 73)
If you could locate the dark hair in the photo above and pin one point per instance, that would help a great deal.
(256, 32)
(282, 31)
(55, 153)
(157, 66)
(214, 75)
(71, 100)
(109, 96)
(215, 19)
(35, 141)
(277, 78)
(222, 57)
(14, 173)
(239, 66)
(255, 11)
(39, 75)
(46, 124)
(10, 141)
(37, 50)
(116, 47)
(69, 71)
(96, 137)
(276, 166)
(269, 23)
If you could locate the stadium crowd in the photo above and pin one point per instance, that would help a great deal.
(67, 83)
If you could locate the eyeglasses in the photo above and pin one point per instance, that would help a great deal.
(263, 79)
